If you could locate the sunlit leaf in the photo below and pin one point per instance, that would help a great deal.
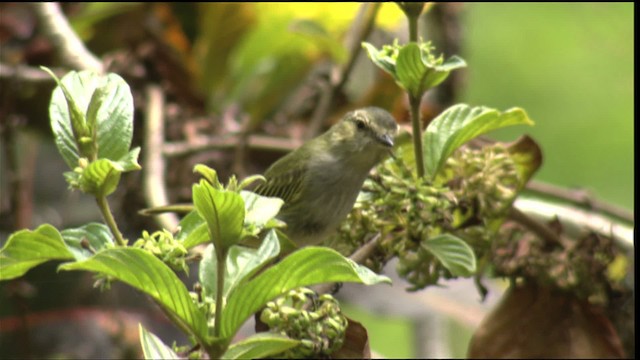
(97, 235)
(26, 249)
(260, 209)
(461, 123)
(193, 230)
(223, 211)
(150, 275)
(242, 262)
(153, 347)
(113, 115)
(101, 177)
(417, 70)
(259, 346)
(308, 266)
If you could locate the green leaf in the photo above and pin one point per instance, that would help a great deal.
(150, 275)
(259, 346)
(223, 211)
(193, 230)
(26, 249)
(242, 262)
(101, 177)
(209, 174)
(453, 253)
(153, 347)
(417, 70)
(385, 59)
(260, 209)
(130, 161)
(112, 115)
(461, 123)
(68, 125)
(250, 180)
(308, 266)
(98, 236)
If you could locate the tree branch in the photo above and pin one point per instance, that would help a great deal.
(362, 26)
(580, 198)
(154, 165)
(68, 45)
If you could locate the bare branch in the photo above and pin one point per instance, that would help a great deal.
(25, 73)
(580, 198)
(261, 142)
(154, 165)
(362, 27)
(70, 48)
(576, 221)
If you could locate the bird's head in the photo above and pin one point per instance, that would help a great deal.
(370, 129)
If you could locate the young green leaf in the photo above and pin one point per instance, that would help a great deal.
(417, 70)
(193, 230)
(67, 120)
(385, 58)
(148, 274)
(259, 346)
(26, 249)
(100, 178)
(153, 347)
(308, 266)
(453, 253)
(459, 124)
(111, 115)
(209, 174)
(130, 161)
(97, 237)
(223, 211)
(242, 262)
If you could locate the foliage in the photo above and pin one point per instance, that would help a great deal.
(94, 137)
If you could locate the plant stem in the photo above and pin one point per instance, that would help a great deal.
(220, 264)
(413, 27)
(414, 104)
(108, 218)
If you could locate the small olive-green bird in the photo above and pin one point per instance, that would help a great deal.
(320, 181)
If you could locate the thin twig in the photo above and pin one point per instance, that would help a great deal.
(580, 198)
(155, 192)
(535, 226)
(576, 221)
(363, 25)
(259, 142)
(29, 74)
(68, 45)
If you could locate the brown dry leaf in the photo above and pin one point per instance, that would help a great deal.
(356, 343)
(536, 322)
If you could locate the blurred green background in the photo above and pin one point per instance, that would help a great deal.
(570, 66)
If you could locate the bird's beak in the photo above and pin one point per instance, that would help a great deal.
(386, 140)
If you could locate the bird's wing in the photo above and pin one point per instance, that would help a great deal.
(284, 180)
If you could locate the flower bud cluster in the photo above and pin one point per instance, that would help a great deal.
(316, 321)
(162, 244)
(468, 198)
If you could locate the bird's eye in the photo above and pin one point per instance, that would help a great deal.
(360, 124)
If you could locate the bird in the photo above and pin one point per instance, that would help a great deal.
(320, 181)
